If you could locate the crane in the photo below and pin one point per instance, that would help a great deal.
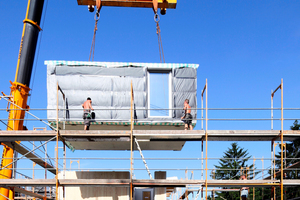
(20, 87)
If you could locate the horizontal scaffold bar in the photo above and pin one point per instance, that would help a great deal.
(144, 183)
(39, 161)
(153, 135)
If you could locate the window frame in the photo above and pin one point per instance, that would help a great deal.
(164, 71)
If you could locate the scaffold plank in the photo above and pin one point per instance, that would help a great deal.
(165, 182)
(252, 135)
(248, 183)
(178, 135)
(145, 182)
(27, 182)
(28, 135)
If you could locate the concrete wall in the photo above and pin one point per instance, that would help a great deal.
(160, 192)
(95, 193)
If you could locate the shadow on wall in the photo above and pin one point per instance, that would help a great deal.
(107, 193)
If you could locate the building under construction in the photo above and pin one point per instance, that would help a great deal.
(137, 108)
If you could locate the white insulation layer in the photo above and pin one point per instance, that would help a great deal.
(108, 85)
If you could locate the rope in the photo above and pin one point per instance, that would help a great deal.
(160, 46)
(92, 51)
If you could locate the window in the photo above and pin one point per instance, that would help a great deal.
(159, 94)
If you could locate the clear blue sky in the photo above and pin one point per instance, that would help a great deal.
(243, 48)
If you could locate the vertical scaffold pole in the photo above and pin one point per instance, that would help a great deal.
(64, 174)
(272, 143)
(202, 92)
(281, 137)
(202, 159)
(206, 140)
(262, 160)
(272, 95)
(45, 164)
(253, 176)
(56, 176)
(131, 141)
(202, 110)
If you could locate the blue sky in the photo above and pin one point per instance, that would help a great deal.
(244, 49)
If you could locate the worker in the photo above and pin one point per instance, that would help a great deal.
(244, 190)
(87, 107)
(187, 117)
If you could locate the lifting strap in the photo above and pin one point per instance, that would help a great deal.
(144, 161)
(92, 51)
(160, 46)
(97, 17)
(155, 5)
(98, 5)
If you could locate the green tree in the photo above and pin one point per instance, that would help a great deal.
(230, 168)
(292, 151)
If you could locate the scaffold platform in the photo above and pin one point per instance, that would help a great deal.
(149, 139)
(145, 183)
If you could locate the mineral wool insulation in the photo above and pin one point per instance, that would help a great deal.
(109, 84)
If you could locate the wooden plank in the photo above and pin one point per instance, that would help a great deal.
(145, 182)
(29, 135)
(152, 135)
(17, 147)
(131, 3)
(91, 133)
(27, 182)
(165, 182)
(251, 135)
(244, 183)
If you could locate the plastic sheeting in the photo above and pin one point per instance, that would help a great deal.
(109, 85)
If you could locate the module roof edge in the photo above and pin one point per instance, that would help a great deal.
(121, 64)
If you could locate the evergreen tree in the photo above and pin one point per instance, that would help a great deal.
(235, 159)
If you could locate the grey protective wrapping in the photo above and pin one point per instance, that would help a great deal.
(109, 89)
(184, 87)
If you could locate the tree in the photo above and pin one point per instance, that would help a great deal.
(292, 151)
(230, 168)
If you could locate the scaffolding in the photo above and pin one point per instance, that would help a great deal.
(140, 139)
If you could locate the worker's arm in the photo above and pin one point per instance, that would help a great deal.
(91, 106)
